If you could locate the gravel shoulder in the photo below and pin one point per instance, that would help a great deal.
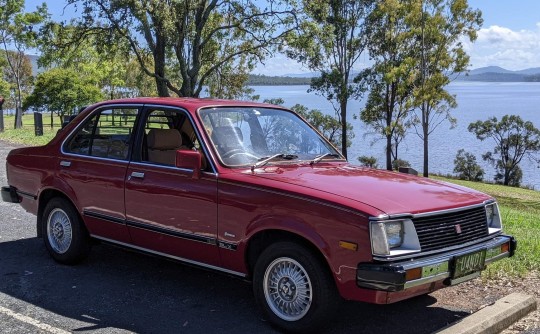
(477, 294)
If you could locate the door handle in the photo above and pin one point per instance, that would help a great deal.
(65, 163)
(137, 175)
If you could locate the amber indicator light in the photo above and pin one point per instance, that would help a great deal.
(413, 274)
(348, 245)
(505, 247)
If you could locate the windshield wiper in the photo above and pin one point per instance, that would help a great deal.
(263, 161)
(322, 156)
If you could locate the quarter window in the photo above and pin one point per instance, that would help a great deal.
(107, 134)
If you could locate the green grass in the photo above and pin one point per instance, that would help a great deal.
(26, 135)
(520, 211)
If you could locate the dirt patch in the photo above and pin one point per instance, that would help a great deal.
(477, 294)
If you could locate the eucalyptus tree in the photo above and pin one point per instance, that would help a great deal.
(441, 27)
(514, 139)
(18, 34)
(330, 40)
(182, 44)
(390, 78)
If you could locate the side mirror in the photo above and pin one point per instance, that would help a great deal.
(187, 159)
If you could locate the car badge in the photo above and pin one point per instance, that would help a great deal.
(457, 228)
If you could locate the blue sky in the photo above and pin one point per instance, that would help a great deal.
(510, 36)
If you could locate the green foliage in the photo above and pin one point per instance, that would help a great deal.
(370, 161)
(330, 40)
(514, 139)
(62, 91)
(393, 73)
(438, 28)
(185, 46)
(17, 34)
(328, 126)
(400, 163)
(466, 167)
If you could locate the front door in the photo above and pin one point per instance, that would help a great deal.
(168, 211)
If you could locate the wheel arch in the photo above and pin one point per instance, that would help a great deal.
(44, 197)
(259, 241)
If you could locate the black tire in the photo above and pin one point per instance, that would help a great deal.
(65, 235)
(274, 287)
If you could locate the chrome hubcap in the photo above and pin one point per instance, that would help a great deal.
(59, 231)
(287, 289)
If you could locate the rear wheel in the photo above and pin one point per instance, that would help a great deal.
(65, 236)
(294, 290)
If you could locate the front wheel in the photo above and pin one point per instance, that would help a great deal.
(65, 236)
(294, 290)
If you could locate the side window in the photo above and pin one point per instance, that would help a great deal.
(107, 134)
(167, 131)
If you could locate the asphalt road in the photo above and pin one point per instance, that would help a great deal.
(119, 291)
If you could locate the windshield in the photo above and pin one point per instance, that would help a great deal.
(247, 135)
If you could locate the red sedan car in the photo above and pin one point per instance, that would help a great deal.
(252, 190)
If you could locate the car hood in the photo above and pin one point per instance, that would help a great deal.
(389, 192)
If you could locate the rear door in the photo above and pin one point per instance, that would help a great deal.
(93, 163)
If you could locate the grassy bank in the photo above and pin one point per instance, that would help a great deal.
(26, 135)
(520, 210)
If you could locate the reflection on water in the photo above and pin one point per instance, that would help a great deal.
(476, 101)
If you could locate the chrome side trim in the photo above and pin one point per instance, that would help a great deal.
(172, 233)
(200, 264)
(108, 218)
(358, 213)
(26, 195)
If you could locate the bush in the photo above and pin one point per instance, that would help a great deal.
(515, 176)
(466, 167)
(370, 162)
(400, 163)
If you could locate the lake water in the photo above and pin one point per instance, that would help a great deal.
(476, 101)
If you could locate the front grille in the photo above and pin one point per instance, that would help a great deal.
(440, 231)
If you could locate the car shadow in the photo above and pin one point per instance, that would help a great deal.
(119, 289)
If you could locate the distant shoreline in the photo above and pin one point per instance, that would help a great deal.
(264, 80)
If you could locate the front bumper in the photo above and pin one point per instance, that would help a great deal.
(399, 276)
(9, 194)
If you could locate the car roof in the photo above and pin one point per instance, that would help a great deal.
(189, 103)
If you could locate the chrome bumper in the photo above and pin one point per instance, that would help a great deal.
(393, 277)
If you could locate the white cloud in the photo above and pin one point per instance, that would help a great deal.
(501, 46)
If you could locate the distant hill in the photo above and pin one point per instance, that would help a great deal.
(499, 74)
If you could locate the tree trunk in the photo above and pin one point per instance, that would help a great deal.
(343, 111)
(18, 117)
(1, 114)
(1, 119)
(389, 152)
(52, 119)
